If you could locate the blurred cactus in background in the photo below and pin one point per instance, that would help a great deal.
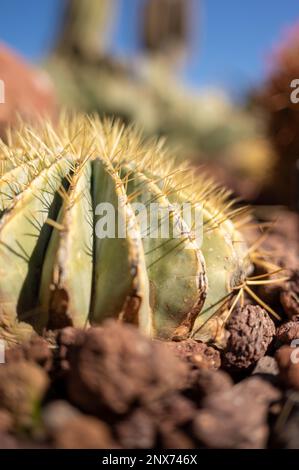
(283, 117)
(85, 26)
(205, 126)
(165, 26)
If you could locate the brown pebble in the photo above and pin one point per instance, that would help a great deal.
(288, 362)
(251, 332)
(288, 332)
(83, 432)
(22, 387)
(137, 431)
(113, 367)
(237, 417)
(266, 365)
(208, 382)
(196, 353)
(289, 296)
(56, 414)
(6, 421)
(36, 350)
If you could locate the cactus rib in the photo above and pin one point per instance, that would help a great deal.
(56, 269)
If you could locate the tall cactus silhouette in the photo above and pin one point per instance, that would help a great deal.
(85, 25)
(88, 79)
(165, 25)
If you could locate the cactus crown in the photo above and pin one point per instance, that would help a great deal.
(57, 271)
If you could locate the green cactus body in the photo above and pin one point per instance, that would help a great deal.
(120, 283)
(57, 270)
(23, 239)
(15, 181)
(69, 251)
(182, 269)
(223, 272)
(225, 255)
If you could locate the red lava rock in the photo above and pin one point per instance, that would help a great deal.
(68, 428)
(286, 431)
(287, 332)
(251, 331)
(288, 363)
(146, 426)
(174, 438)
(6, 421)
(83, 432)
(138, 431)
(36, 350)
(22, 387)
(66, 338)
(174, 409)
(289, 297)
(208, 382)
(7, 441)
(27, 90)
(267, 365)
(114, 367)
(196, 353)
(172, 414)
(236, 418)
(56, 414)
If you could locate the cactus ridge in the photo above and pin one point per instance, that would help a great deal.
(56, 271)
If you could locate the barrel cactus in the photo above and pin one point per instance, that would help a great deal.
(57, 270)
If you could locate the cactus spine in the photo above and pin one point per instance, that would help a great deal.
(56, 271)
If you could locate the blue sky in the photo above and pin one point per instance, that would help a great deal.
(230, 38)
